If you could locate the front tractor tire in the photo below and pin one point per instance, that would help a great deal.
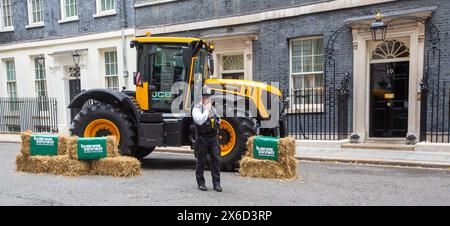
(233, 136)
(102, 119)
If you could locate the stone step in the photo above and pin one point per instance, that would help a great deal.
(386, 141)
(380, 146)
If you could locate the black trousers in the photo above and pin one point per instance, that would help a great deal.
(205, 146)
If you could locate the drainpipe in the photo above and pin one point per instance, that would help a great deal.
(124, 43)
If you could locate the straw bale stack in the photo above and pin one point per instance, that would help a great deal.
(284, 168)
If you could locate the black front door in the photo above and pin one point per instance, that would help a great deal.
(74, 90)
(389, 89)
(74, 87)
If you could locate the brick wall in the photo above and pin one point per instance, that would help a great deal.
(52, 13)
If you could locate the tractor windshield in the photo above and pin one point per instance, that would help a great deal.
(161, 66)
(199, 72)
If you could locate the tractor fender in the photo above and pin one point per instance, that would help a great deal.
(115, 98)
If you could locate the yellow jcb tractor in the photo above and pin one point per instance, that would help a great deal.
(144, 119)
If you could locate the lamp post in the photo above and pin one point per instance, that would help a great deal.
(378, 28)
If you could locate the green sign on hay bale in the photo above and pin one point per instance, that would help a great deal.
(91, 148)
(43, 145)
(265, 148)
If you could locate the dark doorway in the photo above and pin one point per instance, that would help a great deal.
(74, 88)
(389, 89)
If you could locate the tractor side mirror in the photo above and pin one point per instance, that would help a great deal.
(211, 64)
(134, 78)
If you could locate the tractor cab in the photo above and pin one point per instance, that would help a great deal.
(169, 67)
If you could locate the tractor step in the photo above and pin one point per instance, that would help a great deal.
(136, 104)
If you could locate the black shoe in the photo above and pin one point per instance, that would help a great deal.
(202, 188)
(217, 188)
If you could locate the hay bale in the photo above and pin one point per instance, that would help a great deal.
(72, 147)
(112, 146)
(284, 168)
(112, 149)
(58, 165)
(62, 144)
(121, 166)
(25, 145)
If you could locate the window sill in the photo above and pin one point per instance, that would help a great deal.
(105, 13)
(68, 19)
(154, 2)
(7, 29)
(306, 109)
(37, 25)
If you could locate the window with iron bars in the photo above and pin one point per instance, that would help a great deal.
(307, 63)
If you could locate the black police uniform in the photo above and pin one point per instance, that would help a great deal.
(207, 143)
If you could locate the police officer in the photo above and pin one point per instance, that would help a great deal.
(207, 124)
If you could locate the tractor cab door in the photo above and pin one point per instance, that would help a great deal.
(168, 69)
(161, 66)
(199, 74)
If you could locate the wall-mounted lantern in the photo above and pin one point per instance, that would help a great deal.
(378, 28)
(76, 58)
(41, 60)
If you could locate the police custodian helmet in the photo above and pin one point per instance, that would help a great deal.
(206, 91)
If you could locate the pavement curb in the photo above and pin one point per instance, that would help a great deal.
(9, 142)
(381, 162)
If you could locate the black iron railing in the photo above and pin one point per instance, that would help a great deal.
(317, 114)
(37, 114)
(435, 92)
(436, 127)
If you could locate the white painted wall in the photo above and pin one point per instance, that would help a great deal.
(57, 63)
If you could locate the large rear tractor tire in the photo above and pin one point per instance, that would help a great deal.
(101, 119)
(233, 136)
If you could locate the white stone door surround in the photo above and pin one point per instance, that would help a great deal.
(413, 34)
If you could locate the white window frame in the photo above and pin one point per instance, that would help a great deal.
(304, 108)
(43, 106)
(111, 63)
(40, 78)
(31, 23)
(64, 17)
(4, 28)
(101, 13)
(8, 80)
(223, 71)
(14, 106)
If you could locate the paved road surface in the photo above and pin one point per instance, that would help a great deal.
(168, 179)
